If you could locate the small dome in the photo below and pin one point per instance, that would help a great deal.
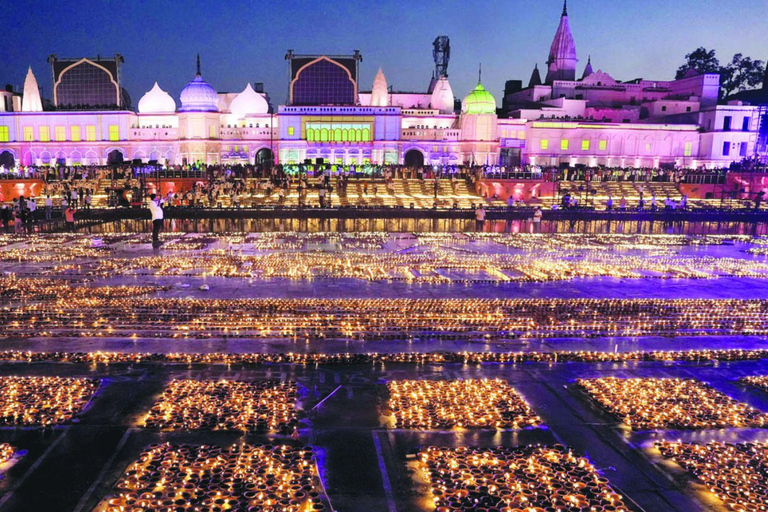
(442, 96)
(479, 101)
(199, 96)
(248, 102)
(157, 101)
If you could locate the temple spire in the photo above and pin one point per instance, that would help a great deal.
(31, 101)
(535, 77)
(198, 65)
(480, 73)
(588, 69)
(380, 91)
(562, 54)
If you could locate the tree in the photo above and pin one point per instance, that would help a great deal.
(700, 60)
(740, 74)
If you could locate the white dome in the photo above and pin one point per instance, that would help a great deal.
(247, 103)
(157, 101)
(199, 96)
(442, 97)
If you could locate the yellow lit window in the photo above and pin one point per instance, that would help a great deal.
(45, 134)
(90, 133)
(212, 132)
(29, 133)
(75, 133)
(60, 134)
(291, 130)
(3, 134)
(114, 132)
(688, 148)
(543, 144)
(585, 145)
(648, 147)
(521, 135)
(603, 145)
(565, 144)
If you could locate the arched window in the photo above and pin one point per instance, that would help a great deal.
(323, 82)
(337, 135)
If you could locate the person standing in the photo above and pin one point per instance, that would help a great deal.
(537, 215)
(69, 217)
(156, 209)
(32, 206)
(48, 207)
(480, 218)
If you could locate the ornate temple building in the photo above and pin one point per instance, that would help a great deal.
(561, 120)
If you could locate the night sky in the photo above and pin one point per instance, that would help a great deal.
(241, 41)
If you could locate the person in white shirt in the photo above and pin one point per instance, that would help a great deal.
(32, 206)
(156, 209)
(479, 218)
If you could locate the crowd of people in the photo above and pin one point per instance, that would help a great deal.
(570, 202)
(73, 188)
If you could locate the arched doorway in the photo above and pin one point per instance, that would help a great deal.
(115, 157)
(264, 157)
(7, 160)
(414, 158)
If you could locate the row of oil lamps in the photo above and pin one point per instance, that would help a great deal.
(186, 478)
(6, 452)
(419, 358)
(43, 400)
(432, 404)
(381, 318)
(523, 479)
(735, 473)
(671, 403)
(225, 405)
(427, 266)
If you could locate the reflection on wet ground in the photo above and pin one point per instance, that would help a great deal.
(110, 290)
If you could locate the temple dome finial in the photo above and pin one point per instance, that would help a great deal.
(198, 65)
(565, 7)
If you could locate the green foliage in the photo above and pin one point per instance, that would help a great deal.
(738, 75)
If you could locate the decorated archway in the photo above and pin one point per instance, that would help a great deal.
(7, 160)
(414, 158)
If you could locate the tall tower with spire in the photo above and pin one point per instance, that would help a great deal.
(31, 102)
(562, 54)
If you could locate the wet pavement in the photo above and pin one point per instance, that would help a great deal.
(363, 465)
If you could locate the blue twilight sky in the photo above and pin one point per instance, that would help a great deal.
(241, 41)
